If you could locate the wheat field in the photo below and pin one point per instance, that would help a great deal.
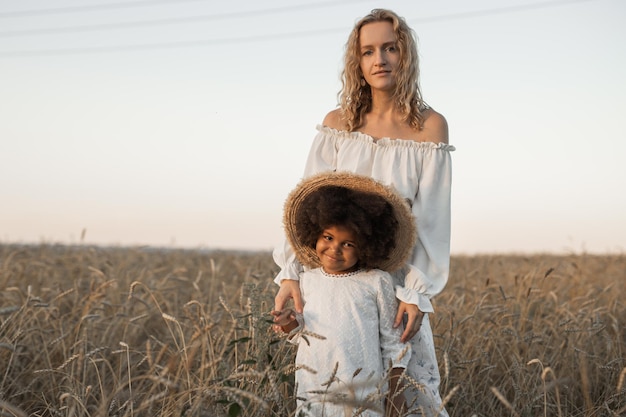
(91, 331)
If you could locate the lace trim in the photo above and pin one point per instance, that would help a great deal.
(347, 274)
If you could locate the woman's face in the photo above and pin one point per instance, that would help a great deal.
(379, 55)
(337, 251)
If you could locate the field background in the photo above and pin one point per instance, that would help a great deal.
(90, 331)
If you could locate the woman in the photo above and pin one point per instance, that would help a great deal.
(385, 130)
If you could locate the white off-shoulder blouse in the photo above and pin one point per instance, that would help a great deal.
(419, 171)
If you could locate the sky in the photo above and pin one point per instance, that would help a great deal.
(185, 124)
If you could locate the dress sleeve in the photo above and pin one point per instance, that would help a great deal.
(391, 348)
(427, 274)
(322, 157)
(285, 258)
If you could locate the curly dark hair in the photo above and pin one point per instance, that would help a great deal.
(370, 217)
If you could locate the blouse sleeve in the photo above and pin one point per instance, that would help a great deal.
(322, 157)
(285, 258)
(427, 274)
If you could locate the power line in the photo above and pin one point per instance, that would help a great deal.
(90, 8)
(178, 20)
(170, 45)
(269, 37)
(500, 10)
(135, 4)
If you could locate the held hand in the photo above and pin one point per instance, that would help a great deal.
(414, 319)
(283, 317)
(285, 321)
(289, 289)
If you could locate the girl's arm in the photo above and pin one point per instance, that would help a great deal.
(395, 404)
(392, 349)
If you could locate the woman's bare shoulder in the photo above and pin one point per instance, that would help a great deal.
(435, 127)
(334, 120)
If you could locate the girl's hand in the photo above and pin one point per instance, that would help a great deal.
(289, 289)
(284, 320)
(283, 317)
(414, 319)
(396, 407)
(395, 403)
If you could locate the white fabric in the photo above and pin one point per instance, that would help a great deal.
(355, 314)
(419, 171)
(422, 173)
(411, 286)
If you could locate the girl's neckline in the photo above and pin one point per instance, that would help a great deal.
(347, 274)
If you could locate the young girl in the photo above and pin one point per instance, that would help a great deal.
(348, 230)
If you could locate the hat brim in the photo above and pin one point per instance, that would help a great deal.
(406, 233)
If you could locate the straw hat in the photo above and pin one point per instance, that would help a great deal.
(406, 233)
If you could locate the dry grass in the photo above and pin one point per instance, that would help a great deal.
(534, 336)
(134, 332)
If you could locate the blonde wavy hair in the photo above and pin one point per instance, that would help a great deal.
(355, 100)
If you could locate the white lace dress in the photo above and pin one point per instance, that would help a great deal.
(354, 314)
(422, 173)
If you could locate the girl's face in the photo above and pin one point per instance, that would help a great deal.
(337, 251)
(379, 55)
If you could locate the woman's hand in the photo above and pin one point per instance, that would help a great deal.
(413, 323)
(289, 289)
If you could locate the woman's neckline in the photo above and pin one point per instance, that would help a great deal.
(384, 139)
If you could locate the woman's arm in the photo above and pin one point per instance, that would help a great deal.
(321, 158)
(427, 273)
(289, 290)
